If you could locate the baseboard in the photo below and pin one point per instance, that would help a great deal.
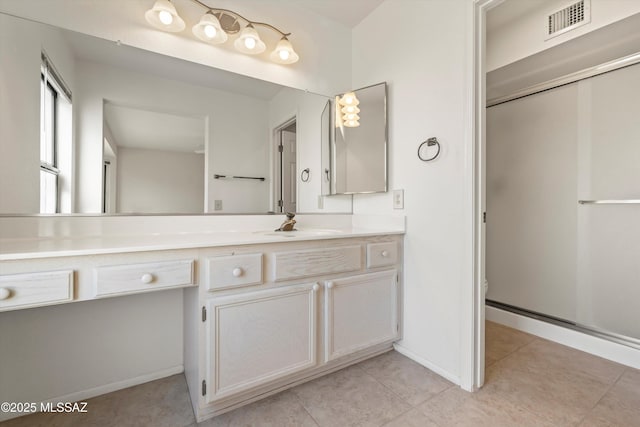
(606, 349)
(427, 364)
(104, 389)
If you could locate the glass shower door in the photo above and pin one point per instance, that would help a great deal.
(563, 202)
(608, 267)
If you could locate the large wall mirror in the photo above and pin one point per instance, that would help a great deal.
(131, 131)
(359, 149)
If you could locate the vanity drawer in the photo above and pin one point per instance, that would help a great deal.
(35, 289)
(134, 278)
(382, 254)
(315, 262)
(234, 270)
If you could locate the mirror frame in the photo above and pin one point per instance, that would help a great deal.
(332, 151)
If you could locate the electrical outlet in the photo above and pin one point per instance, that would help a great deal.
(217, 205)
(320, 202)
(398, 199)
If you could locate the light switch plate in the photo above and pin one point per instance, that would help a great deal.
(217, 205)
(320, 202)
(398, 199)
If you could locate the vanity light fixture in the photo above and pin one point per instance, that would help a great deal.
(216, 25)
(209, 29)
(163, 16)
(249, 41)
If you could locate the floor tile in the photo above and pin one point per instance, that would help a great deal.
(553, 393)
(350, 397)
(413, 418)
(456, 407)
(411, 381)
(620, 406)
(160, 403)
(547, 356)
(500, 341)
(281, 410)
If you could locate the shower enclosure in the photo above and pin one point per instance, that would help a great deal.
(563, 201)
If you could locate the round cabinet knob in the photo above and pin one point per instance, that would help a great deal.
(316, 287)
(385, 254)
(5, 293)
(330, 285)
(147, 278)
(237, 272)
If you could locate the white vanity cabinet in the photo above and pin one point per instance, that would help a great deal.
(360, 312)
(293, 311)
(259, 317)
(257, 337)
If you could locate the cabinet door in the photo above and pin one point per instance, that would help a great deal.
(257, 337)
(360, 311)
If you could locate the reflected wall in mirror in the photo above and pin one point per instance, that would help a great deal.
(122, 95)
(153, 161)
(359, 149)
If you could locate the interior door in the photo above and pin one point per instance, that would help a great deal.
(289, 175)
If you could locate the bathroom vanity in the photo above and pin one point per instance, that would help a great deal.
(263, 310)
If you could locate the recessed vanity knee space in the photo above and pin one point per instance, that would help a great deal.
(263, 311)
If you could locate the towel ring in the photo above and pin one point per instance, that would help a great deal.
(304, 176)
(430, 143)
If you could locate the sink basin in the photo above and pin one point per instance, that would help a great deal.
(302, 233)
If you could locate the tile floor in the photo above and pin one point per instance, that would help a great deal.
(529, 382)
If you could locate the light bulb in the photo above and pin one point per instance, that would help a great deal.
(351, 116)
(210, 31)
(350, 109)
(250, 43)
(165, 17)
(283, 54)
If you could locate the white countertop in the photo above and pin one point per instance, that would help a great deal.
(60, 246)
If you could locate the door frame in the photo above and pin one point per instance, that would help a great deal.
(276, 163)
(473, 333)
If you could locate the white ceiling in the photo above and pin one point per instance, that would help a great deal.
(347, 12)
(135, 128)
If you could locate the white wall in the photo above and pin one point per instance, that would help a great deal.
(525, 36)
(321, 43)
(308, 108)
(426, 64)
(50, 352)
(20, 49)
(237, 146)
(159, 181)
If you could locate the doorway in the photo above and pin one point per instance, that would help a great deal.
(286, 167)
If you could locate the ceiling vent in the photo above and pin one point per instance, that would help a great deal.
(569, 18)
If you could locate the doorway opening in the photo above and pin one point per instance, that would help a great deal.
(286, 167)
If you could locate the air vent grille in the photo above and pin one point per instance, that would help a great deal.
(570, 17)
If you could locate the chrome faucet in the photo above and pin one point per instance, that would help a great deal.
(288, 224)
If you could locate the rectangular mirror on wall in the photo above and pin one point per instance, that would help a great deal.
(359, 149)
(128, 131)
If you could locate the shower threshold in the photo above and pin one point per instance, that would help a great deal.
(610, 336)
